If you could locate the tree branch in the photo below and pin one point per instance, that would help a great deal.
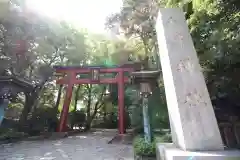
(97, 106)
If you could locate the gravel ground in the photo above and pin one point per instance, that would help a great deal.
(78, 147)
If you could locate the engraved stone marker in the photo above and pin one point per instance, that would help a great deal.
(192, 119)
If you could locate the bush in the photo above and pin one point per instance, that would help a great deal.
(145, 149)
(77, 118)
(164, 138)
(9, 134)
(158, 110)
(110, 122)
(41, 120)
(142, 148)
(9, 123)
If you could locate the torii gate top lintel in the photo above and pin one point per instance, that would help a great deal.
(114, 68)
(95, 71)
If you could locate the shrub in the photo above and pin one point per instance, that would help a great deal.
(110, 122)
(9, 123)
(77, 118)
(40, 120)
(142, 148)
(164, 138)
(9, 134)
(148, 149)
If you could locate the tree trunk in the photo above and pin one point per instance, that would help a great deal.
(88, 121)
(97, 106)
(29, 102)
(104, 114)
(76, 97)
(36, 103)
(58, 98)
(75, 105)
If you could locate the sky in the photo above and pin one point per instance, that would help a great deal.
(90, 14)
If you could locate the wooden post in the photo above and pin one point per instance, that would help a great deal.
(67, 101)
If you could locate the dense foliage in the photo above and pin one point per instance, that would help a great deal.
(31, 44)
(214, 26)
(142, 148)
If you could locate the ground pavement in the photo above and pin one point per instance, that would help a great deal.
(79, 147)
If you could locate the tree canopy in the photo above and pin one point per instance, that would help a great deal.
(30, 45)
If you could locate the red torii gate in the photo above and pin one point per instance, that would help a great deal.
(69, 78)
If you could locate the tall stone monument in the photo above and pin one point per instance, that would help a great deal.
(192, 119)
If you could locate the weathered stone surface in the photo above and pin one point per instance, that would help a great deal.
(192, 119)
(81, 147)
(169, 152)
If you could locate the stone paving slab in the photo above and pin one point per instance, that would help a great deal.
(78, 147)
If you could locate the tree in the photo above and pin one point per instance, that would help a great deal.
(137, 20)
(214, 27)
(43, 43)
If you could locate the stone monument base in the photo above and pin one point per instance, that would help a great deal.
(170, 152)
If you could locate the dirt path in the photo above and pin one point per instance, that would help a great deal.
(79, 147)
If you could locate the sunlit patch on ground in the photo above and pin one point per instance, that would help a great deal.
(58, 143)
(82, 137)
